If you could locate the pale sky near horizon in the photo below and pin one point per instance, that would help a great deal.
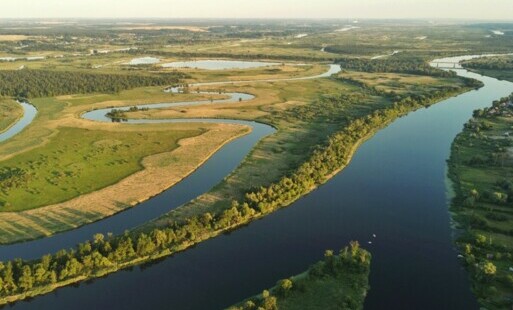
(466, 9)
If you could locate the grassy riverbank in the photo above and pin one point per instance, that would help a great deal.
(481, 168)
(10, 113)
(339, 281)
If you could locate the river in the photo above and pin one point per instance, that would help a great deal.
(29, 113)
(395, 187)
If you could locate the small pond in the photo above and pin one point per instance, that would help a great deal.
(213, 64)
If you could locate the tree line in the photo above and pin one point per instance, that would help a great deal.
(490, 63)
(411, 65)
(251, 55)
(30, 83)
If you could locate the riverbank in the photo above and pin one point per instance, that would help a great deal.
(497, 66)
(339, 281)
(481, 170)
(11, 113)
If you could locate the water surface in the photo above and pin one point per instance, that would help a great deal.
(213, 64)
(144, 61)
(29, 113)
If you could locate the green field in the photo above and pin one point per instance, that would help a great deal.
(79, 161)
(481, 168)
(340, 281)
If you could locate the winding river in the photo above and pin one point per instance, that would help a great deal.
(395, 188)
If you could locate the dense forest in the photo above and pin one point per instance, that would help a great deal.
(411, 65)
(502, 63)
(339, 281)
(44, 83)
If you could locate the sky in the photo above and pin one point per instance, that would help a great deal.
(461, 9)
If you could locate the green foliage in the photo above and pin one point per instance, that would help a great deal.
(502, 63)
(11, 177)
(339, 281)
(411, 65)
(78, 161)
(331, 157)
(44, 83)
(483, 203)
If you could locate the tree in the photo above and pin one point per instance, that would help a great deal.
(145, 245)
(486, 271)
(355, 248)
(489, 269)
(9, 285)
(480, 239)
(284, 286)
(25, 282)
(249, 305)
(265, 294)
(270, 303)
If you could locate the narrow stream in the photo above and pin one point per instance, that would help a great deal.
(395, 187)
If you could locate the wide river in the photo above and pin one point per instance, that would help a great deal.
(395, 187)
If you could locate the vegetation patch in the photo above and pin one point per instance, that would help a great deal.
(44, 83)
(76, 162)
(500, 67)
(339, 282)
(481, 168)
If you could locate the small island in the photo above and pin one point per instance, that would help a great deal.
(339, 281)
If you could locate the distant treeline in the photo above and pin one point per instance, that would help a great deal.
(252, 56)
(409, 65)
(490, 63)
(44, 83)
(360, 49)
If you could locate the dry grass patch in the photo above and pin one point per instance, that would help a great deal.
(12, 37)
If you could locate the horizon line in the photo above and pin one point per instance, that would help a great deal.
(266, 18)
